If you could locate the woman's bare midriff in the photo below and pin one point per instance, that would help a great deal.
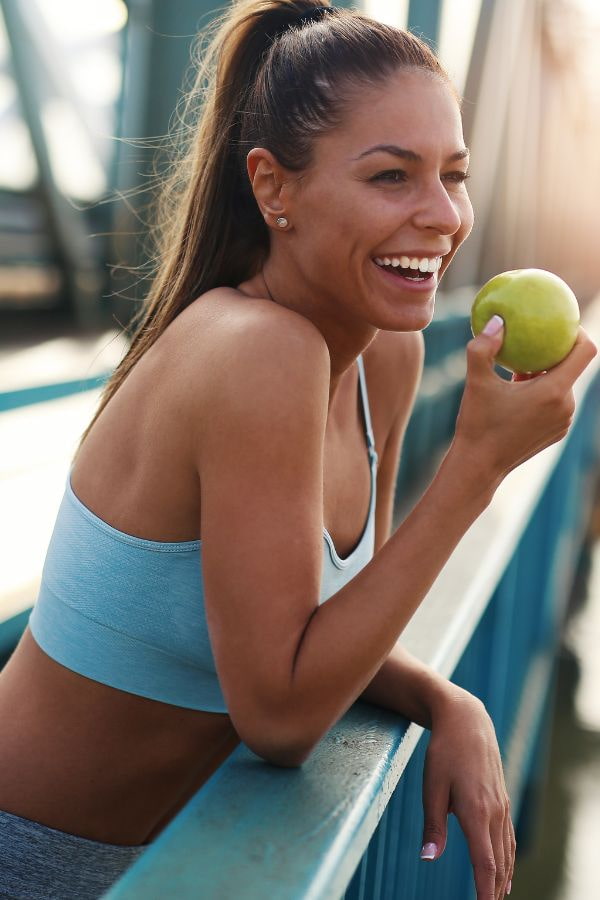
(104, 764)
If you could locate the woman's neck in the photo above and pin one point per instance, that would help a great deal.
(345, 339)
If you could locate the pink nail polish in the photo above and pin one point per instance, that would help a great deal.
(429, 851)
(493, 326)
(509, 887)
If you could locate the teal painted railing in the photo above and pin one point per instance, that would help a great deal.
(41, 393)
(348, 823)
(509, 664)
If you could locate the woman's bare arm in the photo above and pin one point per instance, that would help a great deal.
(288, 667)
(372, 610)
(403, 684)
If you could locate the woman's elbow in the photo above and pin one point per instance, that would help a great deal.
(278, 743)
(283, 757)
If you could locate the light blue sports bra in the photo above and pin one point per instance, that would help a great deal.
(129, 612)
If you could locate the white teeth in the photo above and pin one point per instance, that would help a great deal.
(424, 265)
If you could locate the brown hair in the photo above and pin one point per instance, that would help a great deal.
(268, 79)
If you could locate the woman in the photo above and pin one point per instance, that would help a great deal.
(283, 312)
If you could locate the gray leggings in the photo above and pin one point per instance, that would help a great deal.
(41, 863)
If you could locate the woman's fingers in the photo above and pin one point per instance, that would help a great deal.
(490, 837)
(482, 350)
(503, 842)
(483, 859)
(507, 857)
(525, 376)
(509, 423)
(497, 839)
(436, 794)
(513, 849)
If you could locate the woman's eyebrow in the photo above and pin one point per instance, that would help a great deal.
(409, 155)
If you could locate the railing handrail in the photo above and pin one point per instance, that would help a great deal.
(254, 830)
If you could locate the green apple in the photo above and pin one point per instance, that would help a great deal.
(540, 314)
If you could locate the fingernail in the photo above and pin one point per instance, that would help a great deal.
(509, 887)
(429, 851)
(493, 326)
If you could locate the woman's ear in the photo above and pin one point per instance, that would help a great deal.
(267, 178)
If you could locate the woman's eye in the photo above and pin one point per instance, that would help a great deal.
(457, 177)
(395, 176)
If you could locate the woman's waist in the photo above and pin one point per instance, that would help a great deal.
(94, 761)
(127, 809)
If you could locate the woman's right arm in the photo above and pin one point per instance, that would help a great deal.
(288, 667)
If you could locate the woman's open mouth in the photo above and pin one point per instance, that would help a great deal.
(413, 269)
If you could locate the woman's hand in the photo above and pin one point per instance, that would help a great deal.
(463, 775)
(503, 423)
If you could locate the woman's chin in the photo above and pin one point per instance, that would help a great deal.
(413, 318)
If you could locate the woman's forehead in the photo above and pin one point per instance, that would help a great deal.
(411, 109)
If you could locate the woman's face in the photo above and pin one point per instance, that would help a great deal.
(385, 189)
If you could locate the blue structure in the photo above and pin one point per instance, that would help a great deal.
(424, 19)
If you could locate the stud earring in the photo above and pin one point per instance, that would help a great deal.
(282, 222)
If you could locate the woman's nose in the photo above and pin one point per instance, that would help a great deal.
(437, 209)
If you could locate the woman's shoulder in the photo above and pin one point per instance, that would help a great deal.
(228, 317)
(225, 338)
(260, 379)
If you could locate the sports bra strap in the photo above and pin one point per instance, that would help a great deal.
(366, 411)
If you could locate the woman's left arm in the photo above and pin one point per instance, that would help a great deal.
(463, 769)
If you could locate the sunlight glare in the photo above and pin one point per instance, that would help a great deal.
(74, 21)
(97, 75)
(457, 35)
(390, 13)
(74, 162)
(591, 10)
(18, 169)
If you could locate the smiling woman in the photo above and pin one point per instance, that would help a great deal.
(221, 567)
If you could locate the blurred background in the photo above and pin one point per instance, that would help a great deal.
(87, 90)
